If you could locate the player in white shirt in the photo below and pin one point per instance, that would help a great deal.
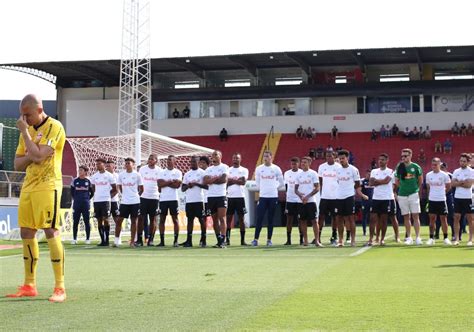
(269, 179)
(130, 184)
(383, 201)
(169, 183)
(438, 183)
(114, 200)
(204, 163)
(216, 178)
(149, 199)
(104, 187)
(463, 181)
(292, 200)
(348, 180)
(238, 176)
(306, 187)
(193, 187)
(328, 202)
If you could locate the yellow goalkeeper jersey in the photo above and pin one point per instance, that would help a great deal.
(46, 175)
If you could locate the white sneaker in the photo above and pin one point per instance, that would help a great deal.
(73, 242)
(419, 242)
(447, 242)
(430, 242)
(469, 244)
(88, 242)
(409, 241)
(455, 243)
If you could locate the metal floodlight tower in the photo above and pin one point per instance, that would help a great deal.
(135, 73)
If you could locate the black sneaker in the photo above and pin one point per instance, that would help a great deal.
(102, 244)
(161, 244)
(287, 243)
(149, 244)
(227, 241)
(183, 244)
(188, 245)
(243, 243)
(313, 242)
(139, 244)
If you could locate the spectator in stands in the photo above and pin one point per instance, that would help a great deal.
(427, 133)
(383, 132)
(438, 147)
(469, 129)
(406, 133)
(175, 113)
(421, 133)
(463, 130)
(373, 163)
(329, 148)
(223, 135)
(312, 153)
(320, 152)
(373, 135)
(395, 130)
(421, 156)
(448, 146)
(334, 132)
(186, 112)
(300, 132)
(313, 131)
(416, 133)
(308, 133)
(388, 131)
(339, 148)
(455, 129)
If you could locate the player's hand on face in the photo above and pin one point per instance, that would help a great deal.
(365, 197)
(21, 124)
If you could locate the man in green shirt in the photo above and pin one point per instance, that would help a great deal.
(408, 181)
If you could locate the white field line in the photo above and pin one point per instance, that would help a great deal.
(364, 249)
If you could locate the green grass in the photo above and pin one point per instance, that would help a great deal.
(278, 288)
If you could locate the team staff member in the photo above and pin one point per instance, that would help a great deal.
(238, 176)
(150, 174)
(169, 182)
(438, 184)
(292, 199)
(306, 187)
(130, 184)
(114, 199)
(39, 154)
(81, 193)
(104, 187)
(463, 181)
(408, 181)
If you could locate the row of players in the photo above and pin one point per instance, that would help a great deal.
(218, 190)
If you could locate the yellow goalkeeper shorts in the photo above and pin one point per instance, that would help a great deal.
(39, 209)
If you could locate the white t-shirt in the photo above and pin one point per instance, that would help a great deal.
(168, 193)
(382, 192)
(235, 190)
(329, 185)
(117, 195)
(194, 194)
(290, 180)
(306, 181)
(346, 178)
(437, 183)
(103, 183)
(213, 171)
(130, 182)
(268, 180)
(150, 178)
(462, 175)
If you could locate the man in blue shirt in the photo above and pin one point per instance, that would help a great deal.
(81, 193)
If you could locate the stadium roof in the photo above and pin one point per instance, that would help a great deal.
(108, 71)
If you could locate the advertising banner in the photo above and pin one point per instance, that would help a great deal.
(389, 105)
(453, 103)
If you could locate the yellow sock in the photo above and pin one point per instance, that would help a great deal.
(56, 252)
(30, 259)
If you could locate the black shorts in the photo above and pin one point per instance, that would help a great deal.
(101, 210)
(194, 210)
(291, 209)
(236, 205)
(384, 206)
(437, 207)
(327, 207)
(148, 207)
(207, 212)
(129, 210)
(308, 211)
(214, 203)
(114, 208)
(346, 206)
(169, 207)
(463, 205)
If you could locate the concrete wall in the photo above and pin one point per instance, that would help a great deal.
(91, 117)
(322, 123)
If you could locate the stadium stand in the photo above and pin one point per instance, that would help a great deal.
(10, 142)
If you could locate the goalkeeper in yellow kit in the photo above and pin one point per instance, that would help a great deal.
(40, 153)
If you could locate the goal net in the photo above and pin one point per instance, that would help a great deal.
(139, 146)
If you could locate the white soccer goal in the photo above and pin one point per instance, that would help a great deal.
(139, 146)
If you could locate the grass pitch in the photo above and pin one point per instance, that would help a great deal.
(279, 288)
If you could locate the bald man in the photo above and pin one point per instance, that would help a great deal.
(39, 154)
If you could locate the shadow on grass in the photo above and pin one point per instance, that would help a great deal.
(455, 265)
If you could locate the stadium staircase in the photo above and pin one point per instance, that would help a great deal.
(271, 143)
